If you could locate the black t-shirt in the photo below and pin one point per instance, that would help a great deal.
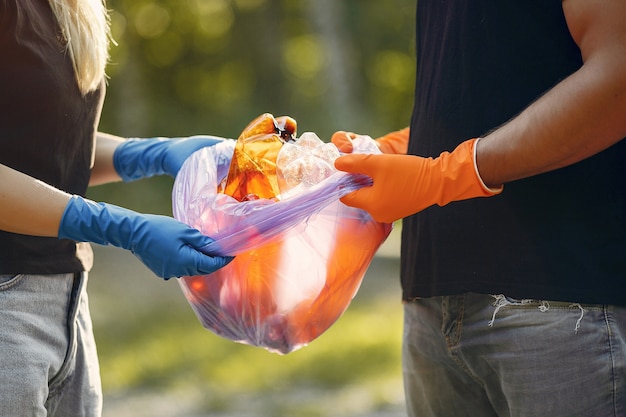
(555, 236)
(47, 128)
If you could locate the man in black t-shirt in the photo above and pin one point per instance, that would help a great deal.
(513, 303)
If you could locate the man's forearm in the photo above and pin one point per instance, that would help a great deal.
(580, 117)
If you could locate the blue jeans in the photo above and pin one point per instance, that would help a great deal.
(482, 356)
(48, 360)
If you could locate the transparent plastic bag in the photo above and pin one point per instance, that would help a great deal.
(300, 256)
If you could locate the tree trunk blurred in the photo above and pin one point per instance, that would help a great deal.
(130, 109)
(328, 17)
(263, 43)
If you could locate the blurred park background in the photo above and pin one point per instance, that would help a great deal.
(185, 67)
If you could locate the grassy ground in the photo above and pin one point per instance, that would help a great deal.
(157, 360)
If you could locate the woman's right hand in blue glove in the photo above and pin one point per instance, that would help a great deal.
(166, 246)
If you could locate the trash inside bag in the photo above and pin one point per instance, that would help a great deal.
(272, 199)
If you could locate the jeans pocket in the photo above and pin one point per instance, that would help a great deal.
(7, 281)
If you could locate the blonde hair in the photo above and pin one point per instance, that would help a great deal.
(85, 28)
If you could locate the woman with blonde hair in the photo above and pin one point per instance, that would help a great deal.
(52, 69)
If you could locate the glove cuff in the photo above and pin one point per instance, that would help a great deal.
(395, 142)
(136, 158)
(488, 190)
(85, 220)
(78, 221)
(460, 179)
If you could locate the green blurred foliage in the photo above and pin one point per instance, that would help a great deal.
(210, 66)
(348, 352)
(152, 346)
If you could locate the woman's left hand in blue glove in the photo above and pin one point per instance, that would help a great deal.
(141, 158)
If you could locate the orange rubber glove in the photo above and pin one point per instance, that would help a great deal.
(406, 184)
(394, 142)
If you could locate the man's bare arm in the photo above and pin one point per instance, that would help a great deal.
(581, 116)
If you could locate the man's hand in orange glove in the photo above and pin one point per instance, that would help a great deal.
(394, 142)
(406, 184)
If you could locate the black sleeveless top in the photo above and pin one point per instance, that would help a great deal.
(555, 236)
(47, 128)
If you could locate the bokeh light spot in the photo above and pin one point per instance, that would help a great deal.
(151, 20)
(304, 56)
(215, 17)
(392, 69)
(166, 50)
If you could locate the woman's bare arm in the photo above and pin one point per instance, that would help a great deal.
(103, 170)
(32, 207)
(29, 206)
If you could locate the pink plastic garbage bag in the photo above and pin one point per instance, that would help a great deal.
(300, 255)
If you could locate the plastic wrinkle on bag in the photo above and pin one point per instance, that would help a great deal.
(300, 257)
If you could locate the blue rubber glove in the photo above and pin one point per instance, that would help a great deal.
(168, 247)
(141, 158)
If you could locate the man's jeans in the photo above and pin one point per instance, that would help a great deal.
(48, 361)
(483, 356)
